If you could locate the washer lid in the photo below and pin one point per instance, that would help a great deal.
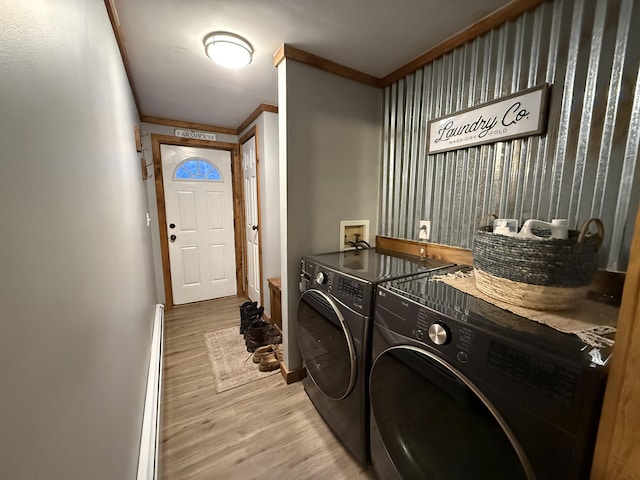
(375, 266)
(476, 313)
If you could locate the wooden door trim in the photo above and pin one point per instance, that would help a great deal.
(236, 188)
(253, 132)
(615, 454)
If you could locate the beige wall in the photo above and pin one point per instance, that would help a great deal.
(76, 286)
(330, 150)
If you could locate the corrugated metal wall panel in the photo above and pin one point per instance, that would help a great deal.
(587, 163)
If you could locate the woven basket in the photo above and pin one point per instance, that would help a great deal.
(542, 274)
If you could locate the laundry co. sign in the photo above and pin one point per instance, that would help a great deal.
(519, 115)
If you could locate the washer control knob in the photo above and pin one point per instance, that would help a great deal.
(321, 278)
(439, 333)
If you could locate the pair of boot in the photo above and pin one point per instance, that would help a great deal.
(261, 333)
(268, 357)
(249, 312)
(257, 332)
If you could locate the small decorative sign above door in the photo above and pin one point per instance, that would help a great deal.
(195, 135)
(519, 115)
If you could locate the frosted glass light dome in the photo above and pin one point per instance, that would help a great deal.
(228, 50)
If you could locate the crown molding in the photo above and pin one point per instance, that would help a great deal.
(263, 107)
(115, 25)
(509, 12)
(503, 15)
(293, 53)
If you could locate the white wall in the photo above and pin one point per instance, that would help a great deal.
(330, 150)
(76, 286)
(270, 208)
(147, 129)
(267, 127)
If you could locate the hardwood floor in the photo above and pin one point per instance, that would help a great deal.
(265, 429)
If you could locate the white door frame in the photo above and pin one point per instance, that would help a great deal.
(238, 213)
(253, 132)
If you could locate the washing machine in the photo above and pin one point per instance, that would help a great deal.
(461, 389)
(333, 327)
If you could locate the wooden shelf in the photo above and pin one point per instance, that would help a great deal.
(275, 291)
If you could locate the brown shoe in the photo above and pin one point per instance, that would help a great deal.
(272, 334)
(271, 361)
(255, 337)
(261, 352)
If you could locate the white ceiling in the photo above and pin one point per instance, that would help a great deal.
(174, 79)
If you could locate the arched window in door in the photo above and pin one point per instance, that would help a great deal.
(198, 170)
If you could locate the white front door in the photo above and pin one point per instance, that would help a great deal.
(199, 210)
(252, 226)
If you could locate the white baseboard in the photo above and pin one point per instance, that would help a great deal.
(150, 438)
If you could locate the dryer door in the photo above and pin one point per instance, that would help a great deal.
(429, 421)
(326, 344)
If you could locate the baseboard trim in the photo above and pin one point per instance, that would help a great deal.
(292, 376)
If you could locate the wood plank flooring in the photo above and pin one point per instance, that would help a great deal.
(263, 430)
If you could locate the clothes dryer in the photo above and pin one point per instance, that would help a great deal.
(334, 320)
(461, 389)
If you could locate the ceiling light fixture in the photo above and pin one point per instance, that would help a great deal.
(228, 50)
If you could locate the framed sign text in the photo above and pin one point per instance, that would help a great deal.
(519, 115)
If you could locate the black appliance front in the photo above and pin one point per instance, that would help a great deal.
(460, 389)
(334, 325)
(334, 358)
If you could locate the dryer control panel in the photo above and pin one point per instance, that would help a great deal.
(354, 293)
(352, 289)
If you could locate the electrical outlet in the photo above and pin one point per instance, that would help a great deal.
(424, 233)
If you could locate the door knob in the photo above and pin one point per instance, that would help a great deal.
(173, 238)
(255, 227)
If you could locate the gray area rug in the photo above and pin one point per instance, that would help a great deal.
(232, 365)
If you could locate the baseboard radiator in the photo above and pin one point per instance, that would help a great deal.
(150, 440)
